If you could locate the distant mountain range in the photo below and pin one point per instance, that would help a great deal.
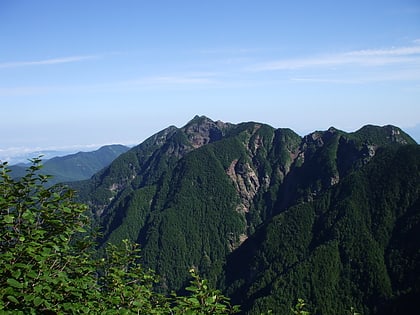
(269, 216)
(22, 156)
(75, 167)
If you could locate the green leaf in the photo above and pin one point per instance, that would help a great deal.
(28, 297)
(66, 210)
(194, 301)
(12, 299)
(14, 283)
(81, 229)
(38, 301)
(16, 273)
(28, 215)
(192, 289)
(8, 218)
(32, 274)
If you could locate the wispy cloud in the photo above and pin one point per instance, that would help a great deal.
(166, 81)
(396, 51)
(49, 89)
(51, 61)
(176, 80)
(26, 90)
(368, 57)
(399, 74)
(228, 51)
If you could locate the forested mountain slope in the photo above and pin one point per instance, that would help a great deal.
(77, 166)
(196, 195)
(356, 245)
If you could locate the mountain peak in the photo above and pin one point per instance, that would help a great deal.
(202, 130)
(384, 134)
(199, 119)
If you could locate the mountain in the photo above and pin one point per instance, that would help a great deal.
(271, 216)
(21, 156)
(358, 244)
(78, 166)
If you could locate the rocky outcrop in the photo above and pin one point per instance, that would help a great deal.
(202, 130)
(246, 183)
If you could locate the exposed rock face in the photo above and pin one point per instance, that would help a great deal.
(335, 180)
(246, 183)
(396, 135)
(161, 137)
(202, 130)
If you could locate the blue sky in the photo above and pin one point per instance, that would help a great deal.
(79, 74)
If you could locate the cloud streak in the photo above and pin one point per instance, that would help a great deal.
(177, 80)
(170, 81)
(51, 61)
(368, 57)
(399, 51)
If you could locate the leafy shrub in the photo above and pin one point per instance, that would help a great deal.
(48, 263)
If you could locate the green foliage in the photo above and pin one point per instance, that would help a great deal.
(48, 262)
(299, 308)
(203, 300)
(44, 264)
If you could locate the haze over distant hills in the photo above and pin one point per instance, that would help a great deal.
(77, 166)
(270, 216)
(17, 155)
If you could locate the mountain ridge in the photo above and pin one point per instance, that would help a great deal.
(76, 166)
(192, 196)
(172, 143)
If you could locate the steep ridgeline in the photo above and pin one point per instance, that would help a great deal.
(192, 196)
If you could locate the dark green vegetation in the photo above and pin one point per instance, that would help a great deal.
(74, 167)
(48, 264)
(270, 217)
(355, 245)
